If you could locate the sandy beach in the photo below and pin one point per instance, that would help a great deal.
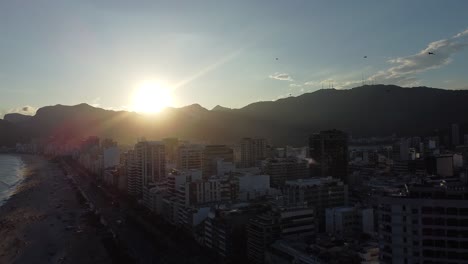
(46, 220)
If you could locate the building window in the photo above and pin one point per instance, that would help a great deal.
(452, 211)
(427, 210)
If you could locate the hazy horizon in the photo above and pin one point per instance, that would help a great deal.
(228, 54)
(29, 112)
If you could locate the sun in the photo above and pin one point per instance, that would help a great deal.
(151, 97)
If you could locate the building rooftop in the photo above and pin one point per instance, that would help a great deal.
(309, 182)
(343, 208)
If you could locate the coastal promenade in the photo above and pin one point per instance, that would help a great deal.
(46, 221)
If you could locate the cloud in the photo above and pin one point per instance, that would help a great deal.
(401, 71)
(295, 85)
(405, 68)
(25, 110)
(95, 102)
(121, 108)
(461, 34)
(310, 83)
(281, 77)
(282, 96)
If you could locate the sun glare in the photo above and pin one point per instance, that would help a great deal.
(152, 97)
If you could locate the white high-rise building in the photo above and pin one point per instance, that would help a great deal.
(134, 180)
(428, 225)
(151, 165)
(151, 160)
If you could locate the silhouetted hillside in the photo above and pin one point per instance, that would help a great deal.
(16, 118)
(10, 134)
(221, 108)
(368, 110)
(362, 111)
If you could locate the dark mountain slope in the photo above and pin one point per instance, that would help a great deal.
(368, 110)
(16, 118)
(10, 134)
(363, 111)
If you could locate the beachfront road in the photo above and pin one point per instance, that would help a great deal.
(162, 245)
(130, 237)
(45, 221)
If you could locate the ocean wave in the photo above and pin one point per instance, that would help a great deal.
(11, 173)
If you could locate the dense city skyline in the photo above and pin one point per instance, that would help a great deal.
(256, 132)
(99, 53)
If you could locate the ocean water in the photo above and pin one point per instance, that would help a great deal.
(11, 173)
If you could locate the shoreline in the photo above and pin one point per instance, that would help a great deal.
(12, 188)
(44, 220)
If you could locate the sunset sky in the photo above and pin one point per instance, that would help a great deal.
(230, 53)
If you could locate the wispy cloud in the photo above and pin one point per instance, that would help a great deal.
(281, 77)
(95, 102)
(295, 85)
(282, 96)
(405, 68)
(461, 34)
(121, 108)
(25, 110)
(311, 83)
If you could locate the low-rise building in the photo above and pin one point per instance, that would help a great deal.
(284, 169)
(225, 230)
(349, 222)
(318, 193)
(296, 223)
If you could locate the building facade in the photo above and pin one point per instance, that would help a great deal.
(211, 155)
(319, 193)
(284, 169)
(189, 157)
(429, 225)
(329, 150)
(251, 151)
(151, 159)
(278, 223)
